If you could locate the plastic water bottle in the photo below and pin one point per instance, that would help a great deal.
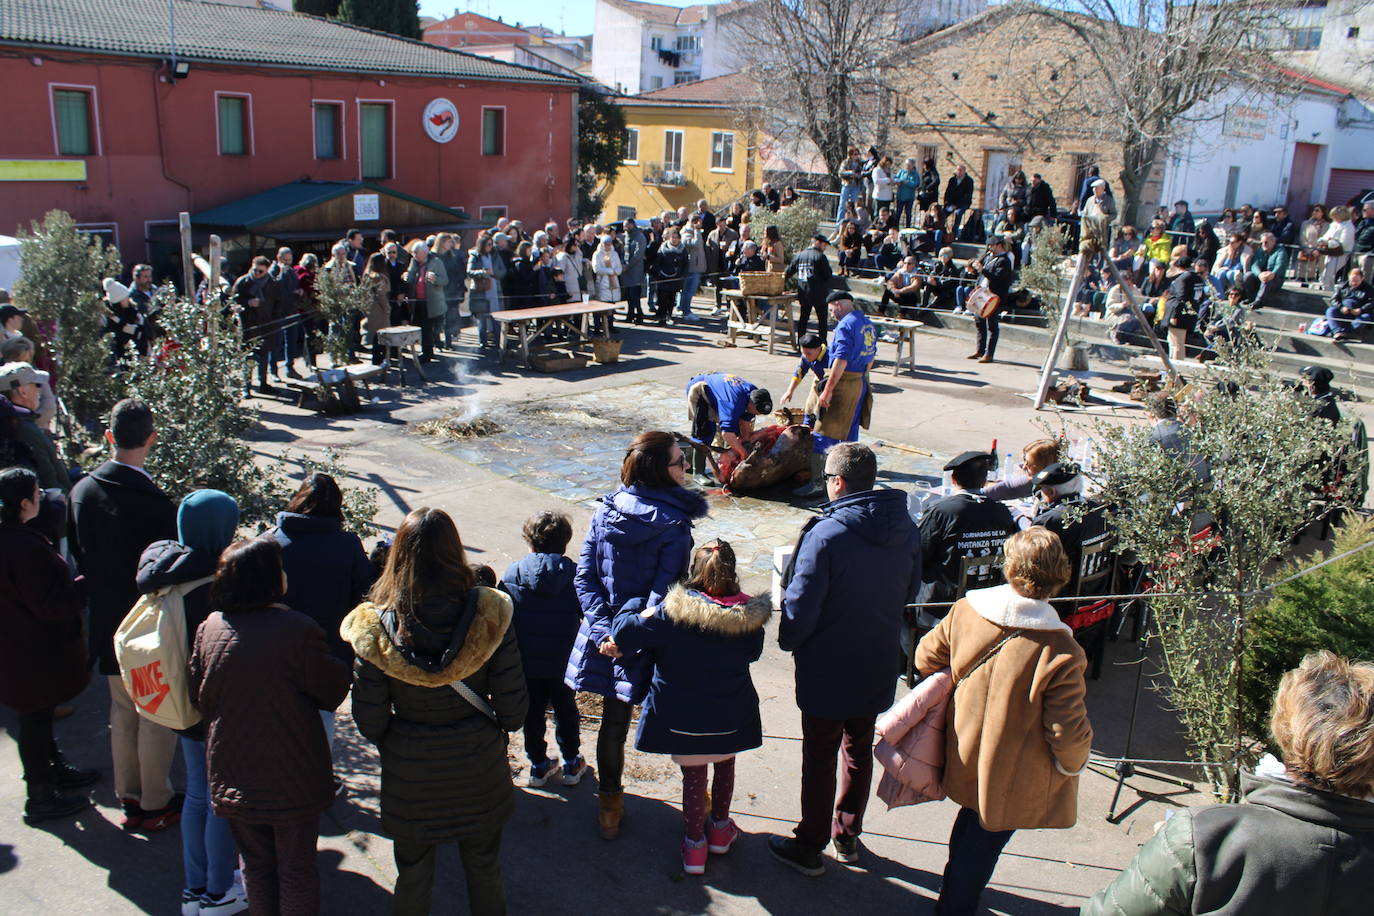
(1087, 463)
(946, 483)
(1008, 465)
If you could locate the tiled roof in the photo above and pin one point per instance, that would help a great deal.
(731, 88)
(275, 203)
(672, 15)
(239, 34)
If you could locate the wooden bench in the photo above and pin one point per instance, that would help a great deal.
(906, 330)
(308, 387)
(750, 322)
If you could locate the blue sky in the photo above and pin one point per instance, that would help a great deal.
(573, 17)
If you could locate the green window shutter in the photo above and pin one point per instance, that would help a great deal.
(72, 107)
(493, 132)
(376, 162)
(326, 132)
(232, 136)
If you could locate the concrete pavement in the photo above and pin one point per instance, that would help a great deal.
(554, 862)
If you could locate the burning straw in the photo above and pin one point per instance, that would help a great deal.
(460, 428)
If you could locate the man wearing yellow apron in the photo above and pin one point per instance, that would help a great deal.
(845, 402)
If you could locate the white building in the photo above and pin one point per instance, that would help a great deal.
(1313, 146)
(639, 47)
(1332, 39)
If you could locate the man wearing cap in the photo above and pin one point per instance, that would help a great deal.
(903, 285)
(723, 406)
(1098, 212)
(963, 524)
(23, 385)
(255, 295)
(1060, 485)
(812, 269)
(995, 274)
(632, 277)
(845, 403)
(12, 320)
(1317, 380)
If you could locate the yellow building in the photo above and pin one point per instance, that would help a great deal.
(684, 143)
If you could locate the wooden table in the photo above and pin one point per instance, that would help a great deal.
(905, 329)
(403, 338)
(749, 322)
(528, 324)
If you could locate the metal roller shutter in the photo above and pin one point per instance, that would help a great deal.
(1346, 183)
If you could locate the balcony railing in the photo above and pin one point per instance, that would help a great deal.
(659, 173)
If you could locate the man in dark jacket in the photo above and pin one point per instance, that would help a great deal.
(1363, 256)
(811, 267)
(854, 569)
(928, 191)
(116, 511)
(963, 524)
(289, 307)
(1061, 487)
(256, 298)
(1040, 200)
(958, 197)
(22, 384)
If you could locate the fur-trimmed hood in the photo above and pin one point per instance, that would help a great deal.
(1004, 607)
(689, 608)
(477, 632)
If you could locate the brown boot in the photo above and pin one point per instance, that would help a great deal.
(612, 810)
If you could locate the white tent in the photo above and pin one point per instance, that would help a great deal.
(9, 261)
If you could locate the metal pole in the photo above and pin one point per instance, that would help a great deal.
(188, 269)
(1129, 295)
(1061, 332)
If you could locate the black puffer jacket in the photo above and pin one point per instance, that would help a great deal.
(444, 770)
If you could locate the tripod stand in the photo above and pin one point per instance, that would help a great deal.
(1125, 766)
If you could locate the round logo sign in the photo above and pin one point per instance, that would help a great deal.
(441, 120)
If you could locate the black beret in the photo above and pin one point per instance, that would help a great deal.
(966, 458)
(839, 295)
(762, 400)
(1319, 374)
(1055, 475)
(820, 238)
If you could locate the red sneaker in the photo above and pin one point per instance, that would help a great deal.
(694, 856)
(720, 837)
(162, 818)
(132, 819)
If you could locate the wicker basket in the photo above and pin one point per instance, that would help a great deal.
(760, 283)
(558, 361)
(606, 351)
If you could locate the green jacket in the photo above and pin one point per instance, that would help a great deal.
(51, 472)
(1276, 260)
(1285, 849)
(436, 296)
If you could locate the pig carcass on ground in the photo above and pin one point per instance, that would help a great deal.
(778, 455)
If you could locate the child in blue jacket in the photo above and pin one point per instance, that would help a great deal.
(702, 707)
(547, 613)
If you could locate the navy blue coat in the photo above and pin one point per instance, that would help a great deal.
(547, 611)
(639, 543)
(327, 572)
(701, 699)
(855, 568)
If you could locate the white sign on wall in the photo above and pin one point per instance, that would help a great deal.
(440, 120)
(366, 207)
(1245, 122)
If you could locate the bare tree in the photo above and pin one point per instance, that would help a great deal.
(1149, 69)
(820, 63)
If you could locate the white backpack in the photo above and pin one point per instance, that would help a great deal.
(150, 645)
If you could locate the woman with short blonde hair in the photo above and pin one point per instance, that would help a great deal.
(1017, 729)
(1299, 841)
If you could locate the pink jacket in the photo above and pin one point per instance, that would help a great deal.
(913, 759)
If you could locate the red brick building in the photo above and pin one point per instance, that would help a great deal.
(110, 117)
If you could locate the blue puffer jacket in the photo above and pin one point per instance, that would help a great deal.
(855, 568)
(546, 611)
(701, 700)
(327, 571)
(639, 543)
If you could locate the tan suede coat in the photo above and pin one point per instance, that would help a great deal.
(1017, 731)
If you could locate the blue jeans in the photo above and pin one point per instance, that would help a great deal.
(973, 854)
(690, 284)
(1347, 324)
(208, 853)
(904, 207)
(847, 193)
